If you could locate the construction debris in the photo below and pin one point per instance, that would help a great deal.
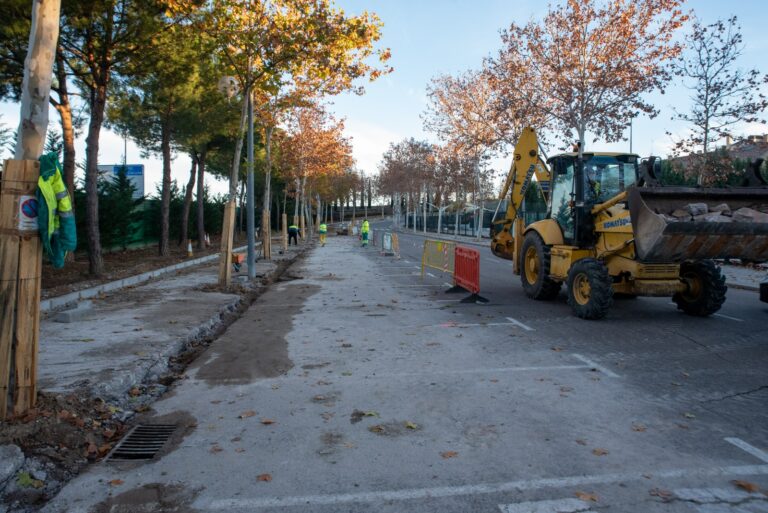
(701, 212)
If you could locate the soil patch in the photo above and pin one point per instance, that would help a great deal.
(117, 265)
(63, 434)
(150, 498)
(255, 347)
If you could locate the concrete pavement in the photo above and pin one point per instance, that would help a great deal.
(358, 387)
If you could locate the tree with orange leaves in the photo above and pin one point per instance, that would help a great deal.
(589, 63)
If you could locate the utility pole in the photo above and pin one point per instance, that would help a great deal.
(250, 214)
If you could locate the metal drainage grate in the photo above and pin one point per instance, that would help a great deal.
(143, 442)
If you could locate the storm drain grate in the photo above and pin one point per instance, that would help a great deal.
(143, 442)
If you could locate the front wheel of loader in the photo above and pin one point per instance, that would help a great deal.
(590, 290)
(534, 269)
(706, 288)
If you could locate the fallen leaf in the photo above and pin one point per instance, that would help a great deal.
(599, 452)
(376, 428)
(746, 486)
(638, 427)
(371, 413)
(217, 401)
(676, 384)
(557, 349)
(346, 373)
(135, 392)
(275, 386)
(346, 345)
(104, 449)
(411, 425)
(25, 480)
(685, 375)
(449, 454)
(239, 449)
(661, 493)
(581, 441)
(247, 414)
(689, 415)
(493, 380)
(267, 422)
(116, 482)
(587, 497)
(264, 477)
(215, 449)
(350, 445)
(565, 390)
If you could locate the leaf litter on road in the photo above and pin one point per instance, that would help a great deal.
(746, 486)
(598, 451)
(587, 497)
(247, 414)
(264, 478)
(448, 454)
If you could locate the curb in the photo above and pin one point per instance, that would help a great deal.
(742, 287)
(55, 303)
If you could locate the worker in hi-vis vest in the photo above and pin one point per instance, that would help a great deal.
(323, 229)
(364, 233)
(293, 234)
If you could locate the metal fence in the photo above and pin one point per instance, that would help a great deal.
(466, 222)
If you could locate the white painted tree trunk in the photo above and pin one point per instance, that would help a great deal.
(38, 75)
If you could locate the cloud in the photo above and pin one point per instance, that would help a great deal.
(369, 142)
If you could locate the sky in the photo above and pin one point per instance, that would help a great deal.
(433, 37)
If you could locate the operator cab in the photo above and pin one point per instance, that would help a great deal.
(604, 176)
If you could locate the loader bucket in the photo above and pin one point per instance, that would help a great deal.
(659, 239)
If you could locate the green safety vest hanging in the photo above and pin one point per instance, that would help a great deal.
(56, 219)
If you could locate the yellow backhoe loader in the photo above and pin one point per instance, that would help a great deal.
(608, 230)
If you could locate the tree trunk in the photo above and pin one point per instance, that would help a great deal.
(188, 191)
(165, 195)
(38, 75)
(234, 174)
(98, 103)
(64, 108)
(201, 199)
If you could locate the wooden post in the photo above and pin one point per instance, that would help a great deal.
(266, 230)
(225, 257)
(20, 270)
(285, 232)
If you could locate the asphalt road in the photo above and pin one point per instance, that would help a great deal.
(361, 387)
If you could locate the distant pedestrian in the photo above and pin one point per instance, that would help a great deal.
(293, 234)
(364, 232)
(323, 229)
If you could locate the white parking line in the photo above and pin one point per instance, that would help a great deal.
(555, 506)
(432, 275)
(602, 369)
(406, 494)
(728, 317)
(524, 326)
(751, 449)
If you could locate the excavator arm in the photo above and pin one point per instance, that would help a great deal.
(526, 163)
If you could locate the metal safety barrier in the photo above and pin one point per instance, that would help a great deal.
(438, 255)
(467, 274)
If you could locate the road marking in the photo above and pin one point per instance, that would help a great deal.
(555, 506)
(417, 285)
(445, 284)
(432, 275)
(477, 489)
(417, 267)
(395, 275)
(447, 300)
(712, 495)
(524, 326)
(751, 449)
(604, 370)
(728, 317)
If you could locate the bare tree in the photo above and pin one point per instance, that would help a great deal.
(722, 95)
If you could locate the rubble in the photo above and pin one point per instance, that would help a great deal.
(749, 215)
(697, 209)
(701, 212)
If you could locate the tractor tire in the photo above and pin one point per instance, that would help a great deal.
(534, 269)
(590, 289)
(706, 288)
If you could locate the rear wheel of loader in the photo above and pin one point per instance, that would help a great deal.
(534, 269)
(706, 288)
(590, 292)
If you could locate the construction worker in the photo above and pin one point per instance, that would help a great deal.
(364, 232)
(323, 229)
(293, 234)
